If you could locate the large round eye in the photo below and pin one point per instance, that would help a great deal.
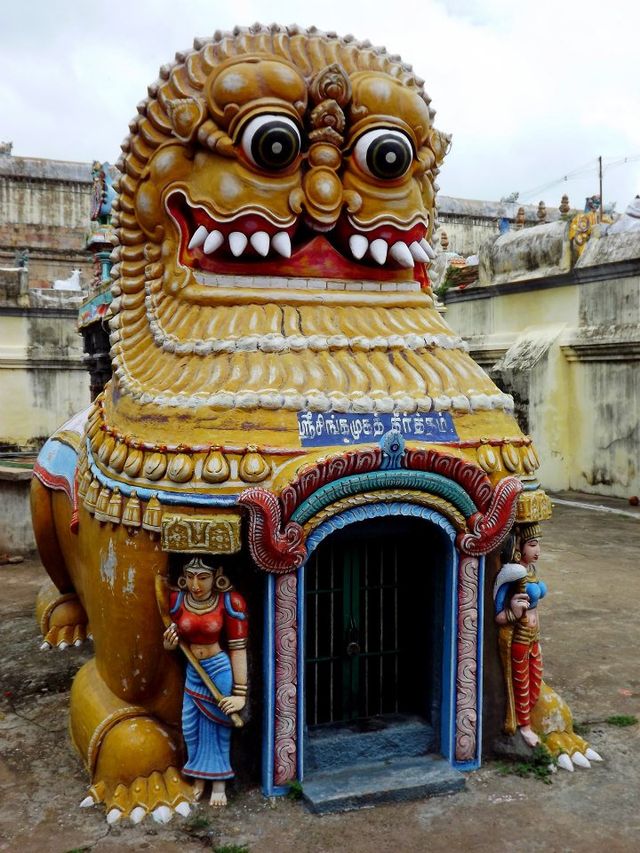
(384, 153)
(271, 141)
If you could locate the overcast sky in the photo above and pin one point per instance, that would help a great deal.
(530, 91)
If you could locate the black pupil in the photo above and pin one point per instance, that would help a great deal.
(275, 145)
(388, 156)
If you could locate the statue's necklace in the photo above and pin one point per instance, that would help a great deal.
(196, 606)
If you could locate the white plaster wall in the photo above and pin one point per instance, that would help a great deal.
(607, 433)
(16, 529)
(572, 353)
(43, 381)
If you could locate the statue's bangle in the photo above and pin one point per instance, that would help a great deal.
(239, 690)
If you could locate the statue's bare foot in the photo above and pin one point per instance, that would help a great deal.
(218, 797)
(529, 736)
(198, 790)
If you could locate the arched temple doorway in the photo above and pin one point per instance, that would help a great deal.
(374, 635)
(426, 675)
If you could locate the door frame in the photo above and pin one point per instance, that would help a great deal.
(351, 579)
(284, 653)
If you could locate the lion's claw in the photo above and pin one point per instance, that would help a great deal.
(62, 618)
(162, 814)
(552, 720)
(183, 809)
(137, 815)
(565, 762)
(580, 761)
(158, 795)
(63, 636)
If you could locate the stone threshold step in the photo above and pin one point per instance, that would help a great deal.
(330, 747)
(393, 780)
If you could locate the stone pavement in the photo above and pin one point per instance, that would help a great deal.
(590, 636)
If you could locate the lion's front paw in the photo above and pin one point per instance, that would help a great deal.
(62, 618)
(159, 795)
(552, 720)
(571, 750)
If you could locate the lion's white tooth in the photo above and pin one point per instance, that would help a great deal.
(401, 254)
(260, 242)
(237, 243)
(425, 245)
(281, 242)
(379, 251)
(213, 242)
(358, 245)
(418, 253)
(199, 236)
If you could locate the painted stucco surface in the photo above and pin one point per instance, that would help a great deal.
(42, 377)
(561, 332)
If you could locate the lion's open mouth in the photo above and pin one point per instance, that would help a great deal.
(252, 243)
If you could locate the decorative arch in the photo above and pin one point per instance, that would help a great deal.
(276, 522)
(283, 759)
(283, 530)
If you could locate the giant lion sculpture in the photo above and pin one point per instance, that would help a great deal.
(276, 202)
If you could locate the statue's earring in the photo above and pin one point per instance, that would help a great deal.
(517, 556)
(182, 582)
(222, 582)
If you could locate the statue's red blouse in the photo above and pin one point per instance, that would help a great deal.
(229, 613)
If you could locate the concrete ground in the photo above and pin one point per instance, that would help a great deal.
(590, 634)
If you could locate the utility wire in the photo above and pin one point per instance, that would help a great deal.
(587, 168)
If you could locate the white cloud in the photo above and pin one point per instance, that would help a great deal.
(529, 90)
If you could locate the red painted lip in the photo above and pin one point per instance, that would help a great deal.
(312, 255)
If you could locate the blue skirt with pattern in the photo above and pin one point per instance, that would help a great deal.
(206, 730)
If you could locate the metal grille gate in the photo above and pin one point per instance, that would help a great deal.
(369, 627)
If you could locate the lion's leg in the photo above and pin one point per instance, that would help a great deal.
(126, 704)
(60, 614)
(132, 755)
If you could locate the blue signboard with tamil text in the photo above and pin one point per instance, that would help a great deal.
(319, 429)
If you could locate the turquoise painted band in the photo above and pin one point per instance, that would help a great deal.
(424, 481)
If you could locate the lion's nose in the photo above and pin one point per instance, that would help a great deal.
(323, 194)
(322, 190)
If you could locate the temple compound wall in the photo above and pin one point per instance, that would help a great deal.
(42, 376)
(44, 209)
(554, 317)
(464, 224)
(42, 383)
